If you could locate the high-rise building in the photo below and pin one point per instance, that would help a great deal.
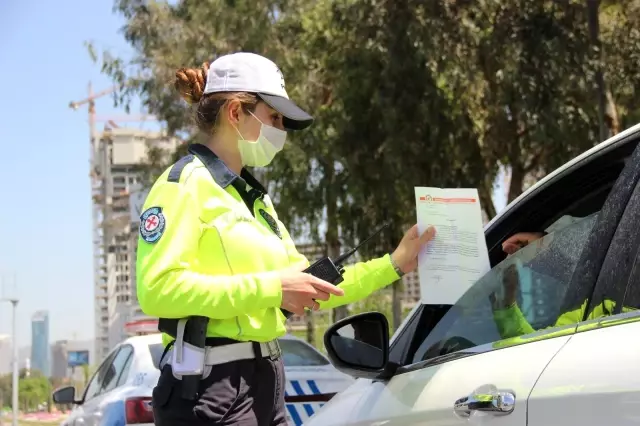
(59, 359)
(117, 157)
(59, 356)
(6, 354)
(40, 343)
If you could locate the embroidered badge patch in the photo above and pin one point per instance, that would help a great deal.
(152, 224)
(272, 222)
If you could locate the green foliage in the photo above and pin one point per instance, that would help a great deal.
(33, 390)
(405, 93)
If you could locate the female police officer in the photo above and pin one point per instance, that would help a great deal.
(211, 246)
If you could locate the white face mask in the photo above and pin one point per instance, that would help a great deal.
(260, 153)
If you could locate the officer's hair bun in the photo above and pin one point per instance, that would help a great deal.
(190, 83)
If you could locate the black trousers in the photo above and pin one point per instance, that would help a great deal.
(244, 393)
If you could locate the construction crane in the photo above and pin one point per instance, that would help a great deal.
(93, 119)
(110, 120)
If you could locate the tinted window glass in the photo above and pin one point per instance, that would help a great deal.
(117, 367)
(156, 351)
(124, 374)
(96, 382)
(522, 294)
(298, 354)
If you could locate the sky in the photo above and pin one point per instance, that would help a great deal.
(45, 216)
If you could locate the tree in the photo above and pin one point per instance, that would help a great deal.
(405, 93)
(33, 390)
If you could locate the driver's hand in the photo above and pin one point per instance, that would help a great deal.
(511, 283)
(520, 240)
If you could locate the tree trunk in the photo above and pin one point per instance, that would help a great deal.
(331, 237)
(487, 202)
(311, 327)
(611, 117)
(396, 304)
(516, 181)
(594, 36)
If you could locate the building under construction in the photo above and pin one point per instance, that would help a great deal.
(117, 156)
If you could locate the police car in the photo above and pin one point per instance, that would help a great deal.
(119, 392)
(564, 350)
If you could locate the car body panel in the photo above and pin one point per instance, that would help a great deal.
(594, 380)
(426, 396)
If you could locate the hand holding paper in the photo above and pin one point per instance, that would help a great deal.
(457, 256)
(406, 255)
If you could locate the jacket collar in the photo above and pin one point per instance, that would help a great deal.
(222, 174)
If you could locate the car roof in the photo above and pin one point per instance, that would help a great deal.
(621, 138)
(147, 339)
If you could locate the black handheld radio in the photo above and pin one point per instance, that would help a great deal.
(331, 270)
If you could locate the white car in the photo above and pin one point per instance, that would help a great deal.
(119, 392)
(311, 379)
(548, 337)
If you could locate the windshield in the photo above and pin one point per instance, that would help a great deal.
(298, 354)
(524, 293)
(156, 350)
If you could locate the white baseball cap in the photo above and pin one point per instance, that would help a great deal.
(248, 72)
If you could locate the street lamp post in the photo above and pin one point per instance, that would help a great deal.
(14, 381)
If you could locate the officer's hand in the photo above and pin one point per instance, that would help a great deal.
(299, 290)
(406, 255)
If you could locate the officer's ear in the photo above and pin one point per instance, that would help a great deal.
(234, 112)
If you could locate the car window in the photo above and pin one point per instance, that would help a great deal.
(522, 294)
(298, 354)
(95, 383)
(156, 350)
(116, 368)
(124, 374)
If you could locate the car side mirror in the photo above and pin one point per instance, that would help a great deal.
(65, 395)
(359, 346)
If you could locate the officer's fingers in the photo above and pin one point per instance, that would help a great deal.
(315, 306)
(322, 285)
(321, 295)
(295, 308)
(427, 235)
(412, 233)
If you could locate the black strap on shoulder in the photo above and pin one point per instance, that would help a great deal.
(178, 167)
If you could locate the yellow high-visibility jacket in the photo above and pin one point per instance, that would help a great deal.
(202, 251)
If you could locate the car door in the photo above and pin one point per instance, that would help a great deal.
(119, 364)
(81, 415)
(473, 353)
(595, 378)
(478, 360)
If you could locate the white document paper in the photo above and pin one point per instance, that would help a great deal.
(457, 257)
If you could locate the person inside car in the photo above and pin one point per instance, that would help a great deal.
(568, 231)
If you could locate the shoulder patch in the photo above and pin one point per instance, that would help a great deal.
(152, 224)
(272, 222)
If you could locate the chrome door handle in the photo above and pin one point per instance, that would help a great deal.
(498, 402)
